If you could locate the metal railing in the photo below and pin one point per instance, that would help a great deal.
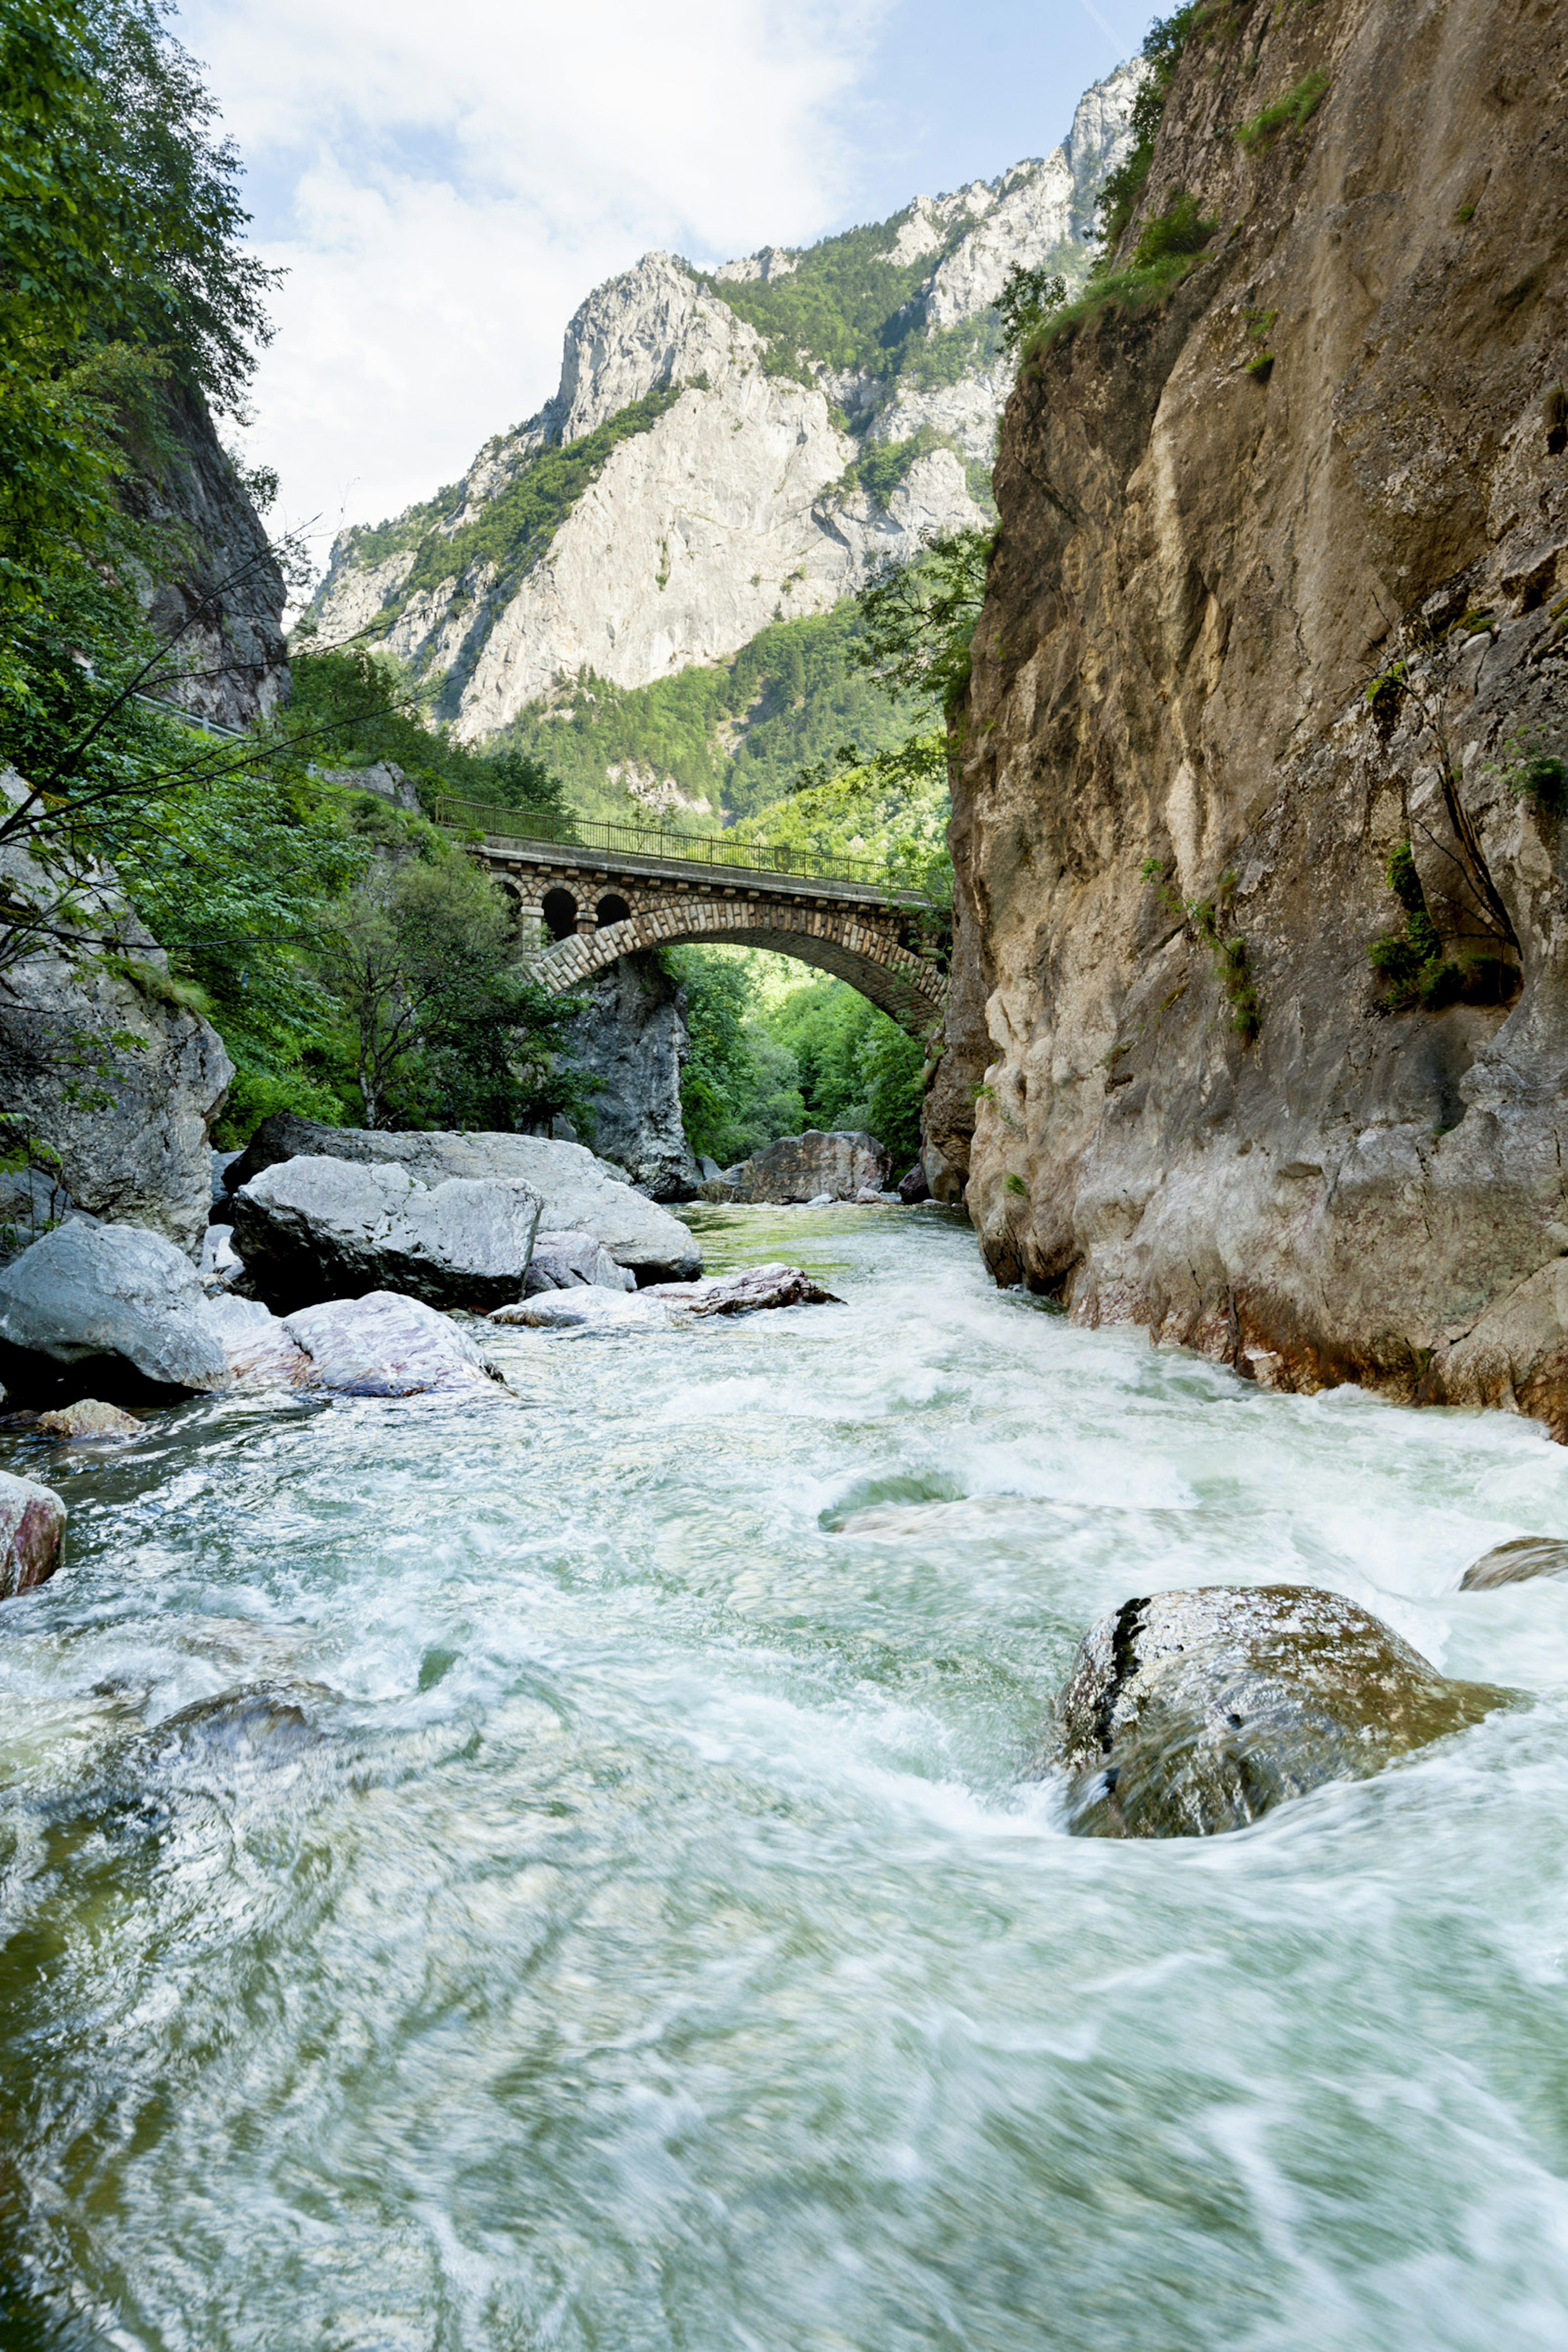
(528, 828)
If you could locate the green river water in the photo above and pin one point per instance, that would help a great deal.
(559, 1870)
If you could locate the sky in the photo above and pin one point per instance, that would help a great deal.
(444, 185)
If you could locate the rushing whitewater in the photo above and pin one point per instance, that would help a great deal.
(559, 1868)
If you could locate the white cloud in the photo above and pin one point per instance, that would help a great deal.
(445, 184)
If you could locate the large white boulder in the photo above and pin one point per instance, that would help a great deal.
(318, 1228)
(577, 1192)
(384, 1345)
(117, 1292)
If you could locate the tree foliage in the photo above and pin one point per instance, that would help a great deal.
(446, 1027)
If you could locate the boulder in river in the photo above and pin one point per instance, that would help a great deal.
(1192, 1712)
(579, 1192)
(816, 1166)
(89, 1418)
(115, 1298)
(913, 1187)
(1513, 1563)
(744, 1292)
(571, 1261)
(314, 1229)
(385, 1345)
(32, 1529)
(741, 1293)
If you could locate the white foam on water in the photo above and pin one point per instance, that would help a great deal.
(630, 1921)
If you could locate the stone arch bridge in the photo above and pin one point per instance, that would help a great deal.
(613, 889)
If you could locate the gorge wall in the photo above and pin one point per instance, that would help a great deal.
(1249, 628)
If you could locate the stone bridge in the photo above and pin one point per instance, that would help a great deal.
(622, 888)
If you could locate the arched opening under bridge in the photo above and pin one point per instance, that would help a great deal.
(560, 912)
(858, 944)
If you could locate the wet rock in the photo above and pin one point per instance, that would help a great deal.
(754, 1286)
(1513, 1563)
(117, 1293)
(314, 1228)
(260, 1352)
(913, 1187)
(579, 1192)
(386, 1344)
(585, 1307)
(87, 1418)
(1193, 1712)
(569, 1261)
(32, 1529)
(813, 1167)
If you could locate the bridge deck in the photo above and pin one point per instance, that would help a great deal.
(653, 852)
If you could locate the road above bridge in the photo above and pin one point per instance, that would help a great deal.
(613, 889)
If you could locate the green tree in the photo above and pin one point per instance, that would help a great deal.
(445, 1025)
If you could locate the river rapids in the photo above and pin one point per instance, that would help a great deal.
(561, 1869)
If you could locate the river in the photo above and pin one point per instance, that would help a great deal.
(622, 1922)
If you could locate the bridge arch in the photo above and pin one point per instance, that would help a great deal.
(841, 940)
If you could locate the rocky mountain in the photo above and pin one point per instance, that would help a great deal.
(1261, 972)
(726, 450)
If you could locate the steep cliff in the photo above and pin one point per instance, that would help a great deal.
(1279, 587)
(219, 594)
(725, 451)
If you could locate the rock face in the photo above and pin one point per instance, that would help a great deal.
(1281, 579)
(578, 1194)
(32, 1530)
(1513, 1563)
(572, 1262)
(116, 1298)
(315, 1228)
(100, 1061)
(631, 1035)
(738, 503)
(1194, 1712)
(220, 607)
(811, 1166)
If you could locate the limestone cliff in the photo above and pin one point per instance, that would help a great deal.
(702, 470)
(1281, 583)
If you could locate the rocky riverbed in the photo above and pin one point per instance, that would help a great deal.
(559, 1860)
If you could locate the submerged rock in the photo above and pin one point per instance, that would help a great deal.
(1193, 1712)
(114, 1293)
(1512, 1563)
(32, 1529)
(584, 1307)
(313, 1228)
(87, 1418)
(815, 1167)
(743, 1293)
(579, 1192)
(570, 1261)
